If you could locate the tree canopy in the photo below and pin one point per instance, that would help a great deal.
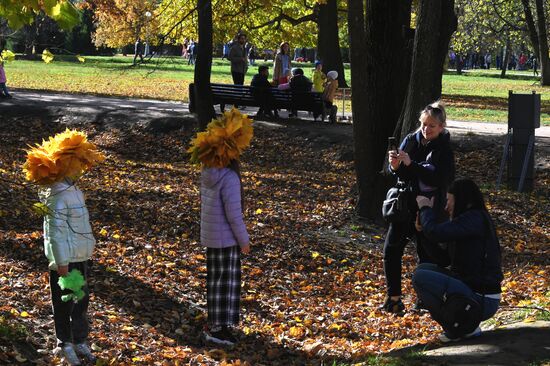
(19, 13)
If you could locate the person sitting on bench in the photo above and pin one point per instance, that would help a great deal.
(331, 85)
(261, 92)
(299, 83)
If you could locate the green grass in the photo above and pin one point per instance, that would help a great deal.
(477, 95)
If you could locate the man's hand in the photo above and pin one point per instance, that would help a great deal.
(423, 201)
(62, 270)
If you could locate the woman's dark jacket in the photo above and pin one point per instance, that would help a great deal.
(473, 247)
(432, 164)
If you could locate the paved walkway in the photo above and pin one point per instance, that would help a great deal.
(84, 108)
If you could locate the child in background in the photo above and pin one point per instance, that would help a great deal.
(223, 231)
(68, 240)
(4, 89)
(329, 92)
(318, 77)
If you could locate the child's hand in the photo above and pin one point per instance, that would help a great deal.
(245, 249)
(62, 270)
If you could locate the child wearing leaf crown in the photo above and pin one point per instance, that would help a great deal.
(68, 240)
(223, 231)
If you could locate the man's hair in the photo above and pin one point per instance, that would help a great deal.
(262, 68)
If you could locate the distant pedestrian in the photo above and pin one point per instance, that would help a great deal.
(4, 89)
(534, 62)
(138, 50)
(318, 77)
(238, 59)
(281, 71)
(252, 56)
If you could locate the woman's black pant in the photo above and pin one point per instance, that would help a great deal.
(399, 234)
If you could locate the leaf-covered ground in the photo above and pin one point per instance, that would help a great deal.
(311, 285)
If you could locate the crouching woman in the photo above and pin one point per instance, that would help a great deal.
(460, 297)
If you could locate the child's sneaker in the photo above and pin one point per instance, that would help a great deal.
(444, 338)
(67, 353)
(83, 350)
(221, 337)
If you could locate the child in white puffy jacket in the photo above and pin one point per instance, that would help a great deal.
(68, 240)
(68, 245)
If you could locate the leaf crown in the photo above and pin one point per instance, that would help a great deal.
(224, 140)
(68, 154)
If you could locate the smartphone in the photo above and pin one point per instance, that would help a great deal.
(392, 144)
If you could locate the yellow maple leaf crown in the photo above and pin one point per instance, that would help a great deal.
(224, 140)
(68, 154)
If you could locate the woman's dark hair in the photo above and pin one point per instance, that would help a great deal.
(467, 196)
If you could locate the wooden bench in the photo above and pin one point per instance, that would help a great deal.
(244, 95)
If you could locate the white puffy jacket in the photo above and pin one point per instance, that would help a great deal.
(68, 235)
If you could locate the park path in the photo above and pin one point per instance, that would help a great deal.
(91, 107)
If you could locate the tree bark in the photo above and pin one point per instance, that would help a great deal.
(543, 44)
(328, 42)
(203, 66)
(533, 34)
(506, 58)
(380, 58)
(436, 24)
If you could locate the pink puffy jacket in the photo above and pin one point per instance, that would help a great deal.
(222, 223)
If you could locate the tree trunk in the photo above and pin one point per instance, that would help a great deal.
(543, 44)
(328, 42)
(435, 26)
(505, 58)
(380, 61)
(533, 34)
(203, 66)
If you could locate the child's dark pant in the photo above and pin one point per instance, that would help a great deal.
(71, 320)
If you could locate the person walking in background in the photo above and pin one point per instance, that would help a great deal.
(281, 70)
(3, 80)
(138, 50)
(535, 66)
(223, 231)
(318, 77)
(238, 59)
(475, 259)
(425, 162)
(252, 56)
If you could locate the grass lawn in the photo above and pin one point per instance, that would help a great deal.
(478, 95)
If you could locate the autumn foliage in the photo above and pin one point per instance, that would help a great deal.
(312, 284)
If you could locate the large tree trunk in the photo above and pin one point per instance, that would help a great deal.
(533, 34)
(328, 42)
(543, 44)
(203, 66)
(435, 24)
(380, 61)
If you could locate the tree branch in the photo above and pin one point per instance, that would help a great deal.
(281, 17)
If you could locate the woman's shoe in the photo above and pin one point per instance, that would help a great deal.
(444, 338)
(393, 306)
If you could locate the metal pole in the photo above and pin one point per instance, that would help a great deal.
(504, 158)
(530, 146)
(343, 103)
